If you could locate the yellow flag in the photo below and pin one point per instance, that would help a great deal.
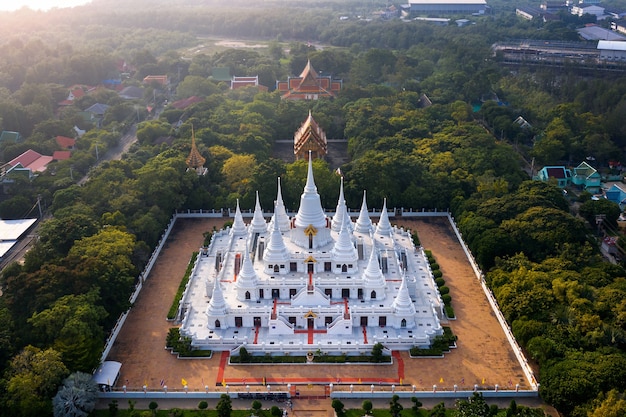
(223, 382)
(145, 382)
(483, 381)
(359, 380)
(400, 381)
(183, 381)
(441, 380)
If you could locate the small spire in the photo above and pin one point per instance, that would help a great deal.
(384, 226)
(217, 305)
(280, 212)
(344, 250)
(247, 277)
(258, 223)
(239, 227)
(403, 304)
(276, 250)
(341, 213)
(364, 223)
(373, 276)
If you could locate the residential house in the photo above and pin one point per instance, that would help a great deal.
(560, 174)
(95, 113)
(29, 163)
(586, 177)
(8, 136)
(65, 143)
(617, 194)
(162, 80)
(586, 9)
(131, 93)
(522, 123)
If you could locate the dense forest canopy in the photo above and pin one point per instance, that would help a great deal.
(564, 302)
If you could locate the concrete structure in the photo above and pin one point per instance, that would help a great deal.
(586, 9)
(435, 7)
(311, 283)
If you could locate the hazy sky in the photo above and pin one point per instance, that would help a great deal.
(39, 4)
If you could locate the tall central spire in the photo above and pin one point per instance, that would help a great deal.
(310, 211)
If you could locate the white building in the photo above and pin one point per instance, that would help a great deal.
(309, 282)
(612, 50)
(435, 7)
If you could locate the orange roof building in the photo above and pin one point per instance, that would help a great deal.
(310, 138)
(308, 86)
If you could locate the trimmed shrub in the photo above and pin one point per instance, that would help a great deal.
(437, 273)
(447, 299)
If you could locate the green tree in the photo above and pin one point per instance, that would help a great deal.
(275, 411)
(416, 405)
(153, 407)
(438, 410)
(224, 406)
(377, 352)
(395, 408)
(72, 325)
(203, 405)
(32, 379)
(256, 407)
(367, 406)
(338, 406)
(612, 404)
(474, 406)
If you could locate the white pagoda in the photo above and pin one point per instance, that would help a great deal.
(311, 283)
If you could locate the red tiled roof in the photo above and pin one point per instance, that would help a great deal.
(556, 172)
(184, 103)
(61, 155)
(65, 142)
(33, 160)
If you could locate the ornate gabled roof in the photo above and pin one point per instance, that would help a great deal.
(239, 227)
(276, 249)
(310, 211)
(341, 213)
(217, 305)
(308, 72)
(364, 223)
(258, 223)
(403, 305)
(373, 276)
(344, 250)
(384, 226)
(310, 135)
(194, 160)
(280, 212)
(247, 276)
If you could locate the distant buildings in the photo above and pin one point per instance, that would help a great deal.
(435, 7)
(309, 86)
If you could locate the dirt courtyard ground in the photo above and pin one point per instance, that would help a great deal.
(483, 355)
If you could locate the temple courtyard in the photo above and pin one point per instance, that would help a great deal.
(483, 356)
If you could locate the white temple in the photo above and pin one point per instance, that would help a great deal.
(311, 283)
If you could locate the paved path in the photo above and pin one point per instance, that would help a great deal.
(483, 355)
